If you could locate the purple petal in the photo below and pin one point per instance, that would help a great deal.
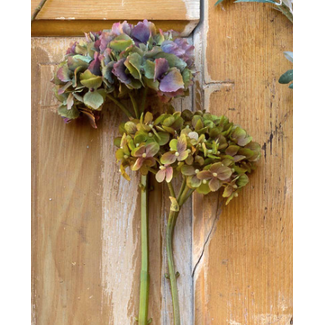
(173, 48)
(141, 32)
(119, 71)
(66, 120)
(104, 39)
(94, 66)
(71, 49)
(188, 49)
(123, 28)
(161, 67)
(172, 82)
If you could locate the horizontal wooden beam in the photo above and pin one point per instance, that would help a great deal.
(74, 17)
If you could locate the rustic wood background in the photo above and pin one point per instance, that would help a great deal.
(235, 262)
(74, 17)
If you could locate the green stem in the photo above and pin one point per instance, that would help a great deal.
(143, 103)
(144, 279)
(171, 190)
(135, 106)
(171, 267)
(38, 9)
(120, 105)
(184, 193)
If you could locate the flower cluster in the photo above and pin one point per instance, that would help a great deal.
(121, 60)
(209, 151)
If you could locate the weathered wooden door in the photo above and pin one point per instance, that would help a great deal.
(236, 267)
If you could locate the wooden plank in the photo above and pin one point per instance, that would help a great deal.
(85, 230)
(243, 262)
(62, 18)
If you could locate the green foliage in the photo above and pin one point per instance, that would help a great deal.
(208, 151)
(287, 77)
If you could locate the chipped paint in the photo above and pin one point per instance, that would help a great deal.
(192, 9)
(188, 29)
(270, 319)
(233, 322)
(120, 235)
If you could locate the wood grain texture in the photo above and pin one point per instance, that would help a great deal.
(86, 218)
(244, 275)
(60, 18)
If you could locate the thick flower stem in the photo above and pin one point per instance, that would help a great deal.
(135, 106)
(144, 278)
(183, 195)
(120, 105)
(171, 268)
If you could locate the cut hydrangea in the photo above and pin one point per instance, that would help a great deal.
(123, 60)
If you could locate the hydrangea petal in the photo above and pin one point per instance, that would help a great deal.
(119, 71)
(141, 31)
(160, 176)
(94, 66)
(204, 174)
(181, 143)
(168, 158)
(138, 164)
(161, 67)
(214, 184)
(215, 167)
(152, 149)
(172, 47)
(195, 182)
(173, 81)
(169, 174)
(224, 173)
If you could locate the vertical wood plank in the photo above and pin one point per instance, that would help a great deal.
(86, 220)
(244, 275)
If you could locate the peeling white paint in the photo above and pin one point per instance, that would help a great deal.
(188, 29)
(233, 322)
(119, 238)
(192, 9)
(65, 18)
(270, 319)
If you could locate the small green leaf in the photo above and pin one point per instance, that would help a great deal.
(218, 2)
(72, 113)
(94, 99)
(286, 77)
(291, 86)
(90, 80)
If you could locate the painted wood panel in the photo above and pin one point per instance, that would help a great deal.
(235, 261)
(60, 18)
(85, 218)
(242, 253)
